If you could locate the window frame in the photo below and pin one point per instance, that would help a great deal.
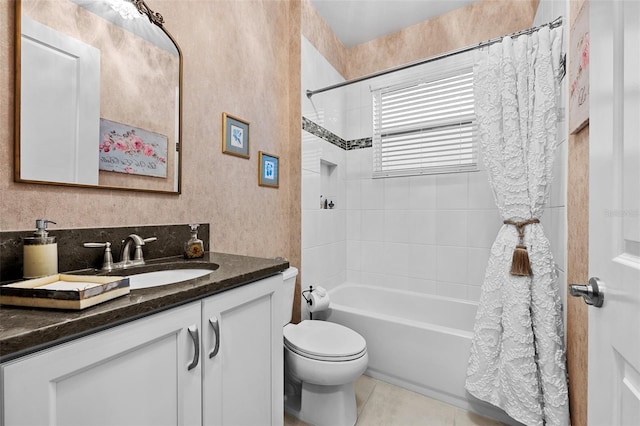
(430, 73)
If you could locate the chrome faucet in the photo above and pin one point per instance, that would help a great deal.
(125, 251)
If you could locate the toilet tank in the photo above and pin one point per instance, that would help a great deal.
(289, 285)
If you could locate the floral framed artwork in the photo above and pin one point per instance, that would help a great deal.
(128, 149)
(235, 136)
(269, 170)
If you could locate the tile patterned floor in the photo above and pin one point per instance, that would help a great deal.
(383, 404)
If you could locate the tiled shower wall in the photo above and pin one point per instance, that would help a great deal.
(431, 233)
(324, 256)
(422, 233)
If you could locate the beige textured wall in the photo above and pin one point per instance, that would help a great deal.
(480, 21)
(240, 58)
(295, 153)
(577, 260)
(318, 32)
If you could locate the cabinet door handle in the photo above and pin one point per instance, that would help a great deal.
(216, 330)
(193, 332)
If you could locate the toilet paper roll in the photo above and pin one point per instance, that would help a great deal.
(319, 300)
(320, 291)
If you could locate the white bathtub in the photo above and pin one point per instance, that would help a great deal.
(417, 341)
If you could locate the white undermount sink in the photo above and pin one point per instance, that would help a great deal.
(158, 278)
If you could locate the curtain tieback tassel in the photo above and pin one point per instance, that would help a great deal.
(520, 264)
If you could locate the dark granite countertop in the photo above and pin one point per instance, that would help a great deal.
(26, 330)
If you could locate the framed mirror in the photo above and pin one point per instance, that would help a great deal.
(98, 96)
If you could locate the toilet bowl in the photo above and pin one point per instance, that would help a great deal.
(322, 360)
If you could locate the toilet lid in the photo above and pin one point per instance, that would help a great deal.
(324, 340)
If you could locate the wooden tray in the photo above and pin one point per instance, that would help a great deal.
(63, 291)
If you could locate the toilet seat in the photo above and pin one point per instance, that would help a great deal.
(324, 341)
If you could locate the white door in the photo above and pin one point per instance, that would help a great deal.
(614, 212)
(58, 139)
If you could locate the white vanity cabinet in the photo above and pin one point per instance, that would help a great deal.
(134, 374)
(158, 371)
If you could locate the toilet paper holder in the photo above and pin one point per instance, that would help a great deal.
(309, 302)
(308, 299)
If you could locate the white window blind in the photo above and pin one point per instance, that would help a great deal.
(425, 126)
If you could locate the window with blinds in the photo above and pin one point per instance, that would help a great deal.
(425, 127)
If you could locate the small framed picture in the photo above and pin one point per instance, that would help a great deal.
(235, 136)
(269, 172)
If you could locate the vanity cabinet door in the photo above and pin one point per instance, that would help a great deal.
(134, 374)
(242, 356)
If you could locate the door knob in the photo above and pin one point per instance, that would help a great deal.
(591, 293)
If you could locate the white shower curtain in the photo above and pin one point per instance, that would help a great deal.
(517, 359)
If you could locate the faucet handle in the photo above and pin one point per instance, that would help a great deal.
(107, 262)
(138, 255)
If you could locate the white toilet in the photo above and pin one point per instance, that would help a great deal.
(322, 360)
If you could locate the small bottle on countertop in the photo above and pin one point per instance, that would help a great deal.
(40, 252)
(194, 248)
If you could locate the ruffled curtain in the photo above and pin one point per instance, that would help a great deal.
(517, 359)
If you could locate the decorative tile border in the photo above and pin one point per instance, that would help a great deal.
(322, 133)
(327, 135)
(359, 143)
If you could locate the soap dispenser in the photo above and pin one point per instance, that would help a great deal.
(40, 252)
(194, 248)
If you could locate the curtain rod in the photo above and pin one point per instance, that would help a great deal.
(553, 24)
